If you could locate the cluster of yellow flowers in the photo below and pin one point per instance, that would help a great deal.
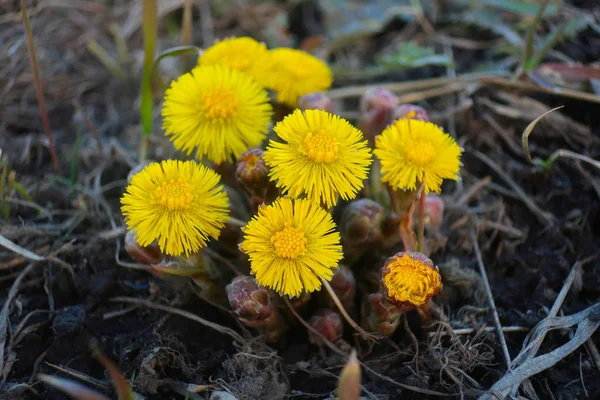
(221, 109)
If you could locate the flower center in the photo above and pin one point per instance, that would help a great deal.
(411, 281)
(321, 147)
(419, 153)
(219, 102)
(174, 194)
(289, 242)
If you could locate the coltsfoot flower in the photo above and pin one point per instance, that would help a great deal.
(413, 151)
(217, 111)
(323, 156)
(180, 204)
(243, 54)
(296, 73)
(410, 280)
(292, 245)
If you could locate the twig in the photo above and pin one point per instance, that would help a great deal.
(542, 216)
(473, 190)
(181, 313)
(399, 87)
(587, 322)
(488, 290)
(531, 352)
(468, 331)
(366, 367)
(12, 293)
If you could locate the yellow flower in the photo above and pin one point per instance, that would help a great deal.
(410, 280)
(178, 203)
(292, 244)
(217, 111)
(411, 151)
(241, 53)
(324, 156)
(297, 73)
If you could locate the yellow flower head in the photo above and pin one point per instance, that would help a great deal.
(241, 53)
(297, 73)
(217, 111)
(178, 203)
(410, 280)
(413, 151)
(292, 244)
(324, 156)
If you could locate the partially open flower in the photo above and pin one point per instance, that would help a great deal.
(296, 73)
(413, 151)
(252, 174)
(254, 306)
(410, 280)
(328, 323)
(410, 111)
(150, 254)
(376, 109)
(323, 157)
(315, 101)
(292, 245)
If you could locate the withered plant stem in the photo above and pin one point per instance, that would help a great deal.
(38, 87)
(345, 314)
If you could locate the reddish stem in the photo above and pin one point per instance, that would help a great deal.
(421, 222)
(38, 87)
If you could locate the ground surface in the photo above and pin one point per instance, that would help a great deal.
(532, 224)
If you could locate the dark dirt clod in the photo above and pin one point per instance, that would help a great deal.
(68, 320)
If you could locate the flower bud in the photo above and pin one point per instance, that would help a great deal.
(361, 222)
(434, 210)
(379, 315)
(409, 280)
(376, 108)
(328, 323)
(361, 226)
(254, 306)
(251, 172)
(409, 111)
(150, 254)
(315, 101)
(350, 379)
(343, 284)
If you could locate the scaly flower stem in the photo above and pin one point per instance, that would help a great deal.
(345, 314)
